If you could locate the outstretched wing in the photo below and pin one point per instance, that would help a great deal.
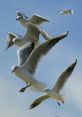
(64, 77)
(38, 101)
(39, 51)
(24, 52)
(37, 19)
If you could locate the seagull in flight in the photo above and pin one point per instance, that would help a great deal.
(31, 35)
(35, 19)
(26, 70)
(65, 12)
(55, 91)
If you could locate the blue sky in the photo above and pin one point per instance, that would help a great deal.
(14, 104)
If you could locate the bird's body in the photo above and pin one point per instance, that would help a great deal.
(51, 93)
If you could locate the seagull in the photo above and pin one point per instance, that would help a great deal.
(32, 35)
(55, 91)
(65, 12)
(35, 19)
(26, 71)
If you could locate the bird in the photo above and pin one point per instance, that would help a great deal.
(29, 36)
(26, 71)
(65, 12)
(32, 35)
(55, 91)
(35, 19)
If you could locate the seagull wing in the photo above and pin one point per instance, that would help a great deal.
(38, 101)
(24, 52)
(39, 51)
(64, 77)
(37, 19)
(10, 37)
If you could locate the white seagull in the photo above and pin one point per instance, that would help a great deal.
(55, 91)
(35, 19)
(26, 71)
(31, 35)
(65, 12)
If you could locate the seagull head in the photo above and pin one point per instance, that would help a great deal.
(14, 68)
(21, 16)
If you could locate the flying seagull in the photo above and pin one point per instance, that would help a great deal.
(26, 71)
(35, 19)
(31, 35)
(65, 12)
(55, 91)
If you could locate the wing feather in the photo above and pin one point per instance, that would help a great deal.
(64, 77)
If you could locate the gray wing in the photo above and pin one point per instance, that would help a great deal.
(24, 52)
(38, 101)
(39, 51)
(10, 37)
(37, 19)
(64, 77)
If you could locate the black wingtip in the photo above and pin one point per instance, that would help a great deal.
(66, 33)
(75, 60)
(74, 64)
(31, 106)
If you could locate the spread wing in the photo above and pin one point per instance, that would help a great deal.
(38, 101)
(24, 52)
(37, 19)
(39, 51)
(64, 77)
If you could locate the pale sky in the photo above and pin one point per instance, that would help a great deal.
(15, 104)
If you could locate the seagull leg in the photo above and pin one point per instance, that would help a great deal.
(24, 88)
(58, 103)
